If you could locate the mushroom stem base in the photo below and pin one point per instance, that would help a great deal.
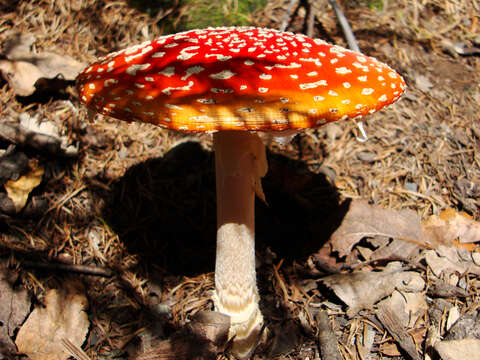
(240, 163)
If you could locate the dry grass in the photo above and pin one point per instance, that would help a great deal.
(140, 200)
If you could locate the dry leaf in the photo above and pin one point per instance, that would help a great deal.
(364, 220)
(19, 190)
(63, 317)
(390, 321)
(363, 289)
(464, 349)
(22, 69)
(450, 225)
(14, 308)
(451, 259)
(407, 306)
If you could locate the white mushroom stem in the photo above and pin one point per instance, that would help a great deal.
(240, 163)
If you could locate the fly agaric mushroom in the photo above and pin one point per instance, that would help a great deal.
(235, 82)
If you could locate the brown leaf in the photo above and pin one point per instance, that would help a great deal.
(463, 349)
(19, 190)
(364, 220)
(14, 307)
(63, 317)
(450, 225)
(23, 69)
(391, 322)
(204, 337)
(363, 289)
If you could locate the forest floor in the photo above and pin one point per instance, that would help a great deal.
(124, 214)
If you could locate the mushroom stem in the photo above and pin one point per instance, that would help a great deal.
(240, 162)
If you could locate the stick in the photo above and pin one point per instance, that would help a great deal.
(347, 30)
(82, 269)
(288, 15)
(326, 338)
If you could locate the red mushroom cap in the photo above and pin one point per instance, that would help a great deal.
(238, 79)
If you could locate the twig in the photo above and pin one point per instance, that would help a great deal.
(311, 18)
(326, 338)
(82, 269)
(74, 350)
(288, 15)
(347, 30)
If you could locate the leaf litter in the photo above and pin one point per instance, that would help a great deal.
(63, 317)
(421, 157)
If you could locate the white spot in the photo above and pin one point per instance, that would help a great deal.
(171, 45)
(89, 69)
(312, 73)
(219, 57)
(347, 85)
(109, 82)
(201, 118)
(392, 74)
(127, 109)
(185, 54)
(332, 93)
(144, 51)
(251, 49)
(140, 86)
(168, 71)
(265, 76)
(293, 76)
(221, 91)
(312, 111)
(148, 113)
(129, 92)
(342, 70)
(173, 107)
(371, 111)
(362, 78)
(262, 89)
(313, 85)
(362, 59)
(206, 101)
(136, 103)
(100, 69)
(84, 98)
(149, 97)
(168, 90)
(167, 119)
(243, 87)
(158, 54)
(132, 69)
(284, 100)
(191, 71)
(346, 101)
(245, 109)
(359, 106)
(321, 122)
(334, 60)
(223, 75)
(367, 91)
(322, 54)
(316, 61)
(382, 98)
(318, 98)
(381, 78)
(91, 86)
(149, 78)
(393, 85)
